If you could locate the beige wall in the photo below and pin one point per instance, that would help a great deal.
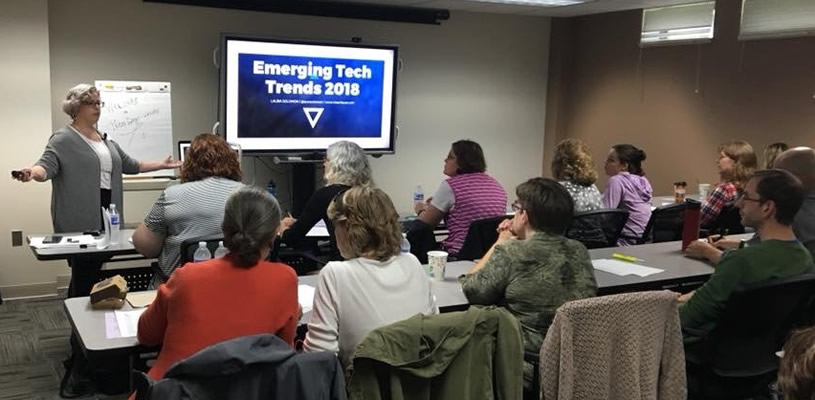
(605, 90)
(25, 79)
(478, 76)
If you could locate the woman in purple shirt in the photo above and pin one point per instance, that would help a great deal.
(628, 189)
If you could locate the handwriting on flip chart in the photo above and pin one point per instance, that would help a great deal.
(138, 116)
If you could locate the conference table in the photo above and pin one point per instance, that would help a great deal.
(680, 274)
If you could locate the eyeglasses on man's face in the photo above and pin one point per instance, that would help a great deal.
(745, 197)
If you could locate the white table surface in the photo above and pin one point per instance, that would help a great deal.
(122, 248)
(90, 324)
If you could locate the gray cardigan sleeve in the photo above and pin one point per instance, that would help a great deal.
(130, 165)
(49, 160)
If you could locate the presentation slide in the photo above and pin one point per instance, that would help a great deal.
(303, 97)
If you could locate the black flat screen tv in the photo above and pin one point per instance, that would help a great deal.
(281, 96)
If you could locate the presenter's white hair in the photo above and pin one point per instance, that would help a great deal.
(348, 165)
(76, 95)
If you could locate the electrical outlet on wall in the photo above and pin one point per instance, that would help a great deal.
(16, 238)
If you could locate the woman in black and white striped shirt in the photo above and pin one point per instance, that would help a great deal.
(210, 174)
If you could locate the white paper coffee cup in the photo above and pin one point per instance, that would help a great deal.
(438, 263)
(704, 190)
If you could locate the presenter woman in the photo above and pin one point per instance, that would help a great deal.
(85, 169)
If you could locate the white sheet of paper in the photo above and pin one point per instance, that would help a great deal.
(305, 296)
(128, 321)
(318, 230)
(624, 268)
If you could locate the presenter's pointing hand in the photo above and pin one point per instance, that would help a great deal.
(169, 163)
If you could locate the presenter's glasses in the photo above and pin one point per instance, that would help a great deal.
(98, 103)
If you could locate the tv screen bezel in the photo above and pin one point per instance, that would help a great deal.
(391, 149)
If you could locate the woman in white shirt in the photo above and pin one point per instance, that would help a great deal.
(376, 285)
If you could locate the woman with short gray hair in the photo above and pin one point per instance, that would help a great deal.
(85, 168)
(346, 166)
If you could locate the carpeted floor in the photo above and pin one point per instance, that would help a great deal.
(34, 339)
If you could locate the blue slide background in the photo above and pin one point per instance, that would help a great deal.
(257, 117)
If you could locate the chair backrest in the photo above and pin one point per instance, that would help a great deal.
(599, 228)
(755, 322)
(188, 246)
(622, 346)
(481, 235)
(421, 238)
(248, 367)
(666, 223)
(729, 219)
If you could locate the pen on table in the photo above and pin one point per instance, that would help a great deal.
(625, 257)
(720, 237)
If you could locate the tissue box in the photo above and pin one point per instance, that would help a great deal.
(110, 293)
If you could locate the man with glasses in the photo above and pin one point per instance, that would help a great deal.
(768, 204)
(800, 161)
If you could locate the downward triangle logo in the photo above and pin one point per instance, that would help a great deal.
(313, 114)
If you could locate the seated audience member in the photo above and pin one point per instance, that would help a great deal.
(210, 174)
(772, 152)
(376, 285)
(628, 189)
(224, 298)
(736, 162)
(796, 374)
(768, 204)
(346, 165)
(532, 268)
(469, 194)
(573, 167)
(799, 161)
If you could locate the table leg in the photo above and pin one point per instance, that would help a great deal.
(84, 274)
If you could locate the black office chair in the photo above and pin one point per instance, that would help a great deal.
(304, 261)
(729, 220)
(421, 237)
(481, 235)
(667, 222)
(737, 359)
(599, 228)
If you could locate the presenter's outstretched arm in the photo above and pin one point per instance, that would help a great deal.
(36, 173)
(167, 163)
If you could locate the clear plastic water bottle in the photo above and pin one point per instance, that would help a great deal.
(418, 195)
(115, 225)
(221, 250)
(201, 253)
(405, 244)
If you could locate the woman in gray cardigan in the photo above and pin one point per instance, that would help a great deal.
(85, 169)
